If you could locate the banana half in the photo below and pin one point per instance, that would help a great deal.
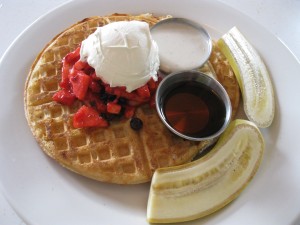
(199, 188)
(252, 75)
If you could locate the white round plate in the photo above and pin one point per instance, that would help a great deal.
(44, 193)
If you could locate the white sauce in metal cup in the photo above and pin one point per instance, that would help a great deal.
(183, 44)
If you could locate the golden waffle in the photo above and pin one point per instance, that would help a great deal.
(116, 154)
(208, 70)
(226, 77)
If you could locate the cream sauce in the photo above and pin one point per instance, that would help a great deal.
(181, 46)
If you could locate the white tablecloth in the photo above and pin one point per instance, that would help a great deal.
(281, 17)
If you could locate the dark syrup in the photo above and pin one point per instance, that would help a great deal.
(194, 109)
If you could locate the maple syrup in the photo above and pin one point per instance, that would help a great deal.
(194, 109)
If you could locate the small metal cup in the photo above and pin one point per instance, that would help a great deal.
(174, 80)
(201, 40)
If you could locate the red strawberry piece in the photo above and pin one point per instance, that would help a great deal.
(152, 85)
(68, 62)
(134, 103)
(73, 57)
(64, 97)
(80, 65)
(80, 83)
(88, 117)
(129, 111)
(152, 101)
(65, 83)
(85, 67)
(101, 107)
(133, 96)
(118, 91)
(94, 76)
(94, 86)
(143, 91)
(113, 108)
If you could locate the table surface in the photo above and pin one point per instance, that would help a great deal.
(281, 17)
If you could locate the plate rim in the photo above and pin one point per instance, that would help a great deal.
(26, 30)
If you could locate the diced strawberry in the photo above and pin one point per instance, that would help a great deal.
(134, 103)
(80, 83)
(64, 97)
(132, 96)
(152, 101)
(89, 97)
(129, 112)
(94, 86)
(118, 91)
(85, 67)
(65, 83)
(80, 65)
(152, 85)
(101, 107)
(143, 91)
(68, 62)
(113, 108)
(92, 100)
(94, 76)
(88, 117)
(73, 57)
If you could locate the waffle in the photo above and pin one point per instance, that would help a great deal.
(208, 70)
(226, 77)
(116, 154)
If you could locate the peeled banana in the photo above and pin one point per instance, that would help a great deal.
(252, 76)
(203, 186)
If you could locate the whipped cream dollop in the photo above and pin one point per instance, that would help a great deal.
(122, 54)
